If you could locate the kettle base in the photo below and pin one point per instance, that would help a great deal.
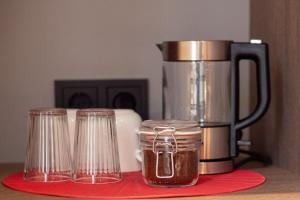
(216, 167)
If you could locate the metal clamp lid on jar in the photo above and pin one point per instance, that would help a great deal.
(170, 148)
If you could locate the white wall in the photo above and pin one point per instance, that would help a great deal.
(44, 40)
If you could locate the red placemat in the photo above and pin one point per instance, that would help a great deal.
(132, 186)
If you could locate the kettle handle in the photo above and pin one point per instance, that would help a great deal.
(259, 54)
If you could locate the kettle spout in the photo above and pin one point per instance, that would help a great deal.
(160, 47)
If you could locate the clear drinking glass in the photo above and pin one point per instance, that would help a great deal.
(48, 151)
(96, 156)
(197, 90)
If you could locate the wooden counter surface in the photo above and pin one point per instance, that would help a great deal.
(280, 184)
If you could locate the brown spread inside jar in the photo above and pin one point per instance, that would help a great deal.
(185, 168)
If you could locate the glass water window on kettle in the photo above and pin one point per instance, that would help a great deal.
(197, 90)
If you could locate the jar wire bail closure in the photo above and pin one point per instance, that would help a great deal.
(164, 147)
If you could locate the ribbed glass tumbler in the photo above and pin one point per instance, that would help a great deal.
(48, 151)
(96, 156)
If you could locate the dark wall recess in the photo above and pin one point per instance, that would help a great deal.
(119, 93)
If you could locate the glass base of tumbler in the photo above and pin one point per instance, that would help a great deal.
(96, 179)
(44, 177)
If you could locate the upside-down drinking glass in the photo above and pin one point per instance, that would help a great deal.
(48, 151)
(96, 156)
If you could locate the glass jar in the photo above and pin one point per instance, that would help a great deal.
(170, 152)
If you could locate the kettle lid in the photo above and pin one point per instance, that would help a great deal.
(196, 50)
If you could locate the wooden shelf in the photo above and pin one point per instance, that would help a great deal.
(280, 184)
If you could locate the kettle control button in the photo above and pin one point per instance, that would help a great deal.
(255, 41)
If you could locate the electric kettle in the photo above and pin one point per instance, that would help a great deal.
(201, 82)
